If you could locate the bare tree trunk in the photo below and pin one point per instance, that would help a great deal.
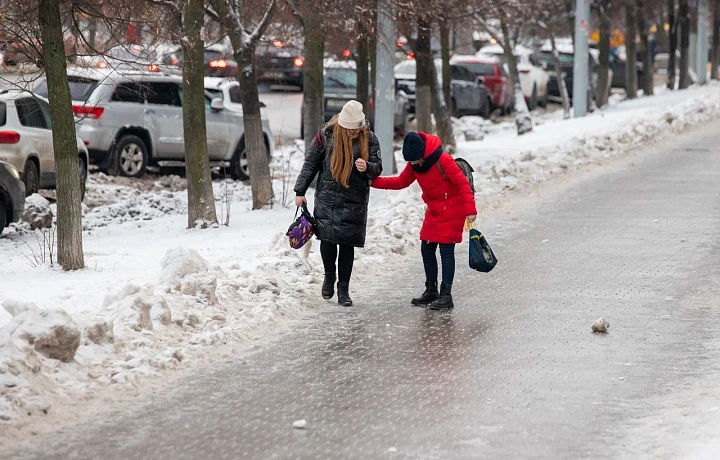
(604, 48)
(672, 63)
(92, 35)
(362, 63)
(201, 201)
(560, 76)
(313, 84)
(69, 213)
(647, 81)
(257, 154)
(424, 76)
(523, 120)
(715, 49)
(445, 54)
(631, 76)
(442, 116)
(372, 45)
(684, 23)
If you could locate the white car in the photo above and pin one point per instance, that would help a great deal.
(26, 141)
(126, 57)
(228, 89)
(533, 77)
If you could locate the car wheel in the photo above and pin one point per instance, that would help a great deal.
(83, 177)
(3, 216)
(31, 178)
(532, 103)
(131, 156)
(239, 166)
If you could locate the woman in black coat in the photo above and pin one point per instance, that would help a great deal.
(345, 156)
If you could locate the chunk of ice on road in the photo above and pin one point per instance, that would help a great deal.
(300, 424)
(601, 325)
(545, 241)
(392, 450)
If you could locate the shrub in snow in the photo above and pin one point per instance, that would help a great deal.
(37, 212)
(50, 332)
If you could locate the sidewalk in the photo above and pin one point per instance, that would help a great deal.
(512, 372)
(156, 297)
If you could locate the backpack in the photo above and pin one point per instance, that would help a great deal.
(466, 169)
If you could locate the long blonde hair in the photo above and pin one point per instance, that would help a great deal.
(342, 161)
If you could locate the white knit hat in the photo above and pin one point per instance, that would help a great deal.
(352, 116)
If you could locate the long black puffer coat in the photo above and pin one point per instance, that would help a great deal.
(341, 212)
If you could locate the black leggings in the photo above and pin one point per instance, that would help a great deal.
(447, 254)
(329, 253)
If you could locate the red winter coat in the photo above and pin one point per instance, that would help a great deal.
(449, 201)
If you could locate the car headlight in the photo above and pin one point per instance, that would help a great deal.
(12, 170)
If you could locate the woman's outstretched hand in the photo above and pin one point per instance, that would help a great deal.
(361, 165)
(472, 218)
(300, 200)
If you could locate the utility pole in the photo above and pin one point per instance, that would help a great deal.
(702, 42)
(385, 86)
(582, 50)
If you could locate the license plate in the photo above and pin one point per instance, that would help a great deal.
(274, 75)
(335, 103)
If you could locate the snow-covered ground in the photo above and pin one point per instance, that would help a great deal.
(156, 296)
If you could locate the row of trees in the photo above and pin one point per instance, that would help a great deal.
(45, 24)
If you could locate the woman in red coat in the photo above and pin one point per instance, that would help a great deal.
(449, 200)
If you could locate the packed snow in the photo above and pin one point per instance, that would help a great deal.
(156, 296)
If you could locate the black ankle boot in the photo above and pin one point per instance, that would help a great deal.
(427, 297)
(328, 287)
(344, 294)
(445, 301)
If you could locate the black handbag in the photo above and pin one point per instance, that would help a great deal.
(482, 257)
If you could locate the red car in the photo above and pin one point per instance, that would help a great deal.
(490, 71)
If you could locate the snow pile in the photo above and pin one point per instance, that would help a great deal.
(134, 208)
(37, 212)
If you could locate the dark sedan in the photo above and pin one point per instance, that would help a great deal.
(12, 195)
(340, 82)
(468, 96)
(278, 63)
(216, 63)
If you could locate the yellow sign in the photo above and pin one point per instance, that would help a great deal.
(617, 38)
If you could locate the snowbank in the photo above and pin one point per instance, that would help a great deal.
(156, 296)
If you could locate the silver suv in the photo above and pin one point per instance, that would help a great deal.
(130, 120)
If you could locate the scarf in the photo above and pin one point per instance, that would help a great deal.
(427, 163)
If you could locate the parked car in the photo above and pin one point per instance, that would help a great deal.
(12, 195)
(279, 63)
(123, 57)
(131, 120)
(228, 89)
(218, 63)
(468, 96)
(618, 65)
(490, 71)
(26, 141)
(533, 77)
(340, 81)
(567, 62)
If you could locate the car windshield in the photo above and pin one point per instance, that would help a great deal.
(564, 58)
(480, 68)
(130, 54)
(340, 78)
(80, 88)
(407, 67)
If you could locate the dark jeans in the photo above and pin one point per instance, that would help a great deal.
(329, 253)
(447, 254)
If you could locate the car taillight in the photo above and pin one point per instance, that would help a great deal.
(153, 68)
(9, 137)
(371, 103)
(218, 64)
(174, 61)
(299, 62)
(102, 64)
(525, 71)
(86, 111)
